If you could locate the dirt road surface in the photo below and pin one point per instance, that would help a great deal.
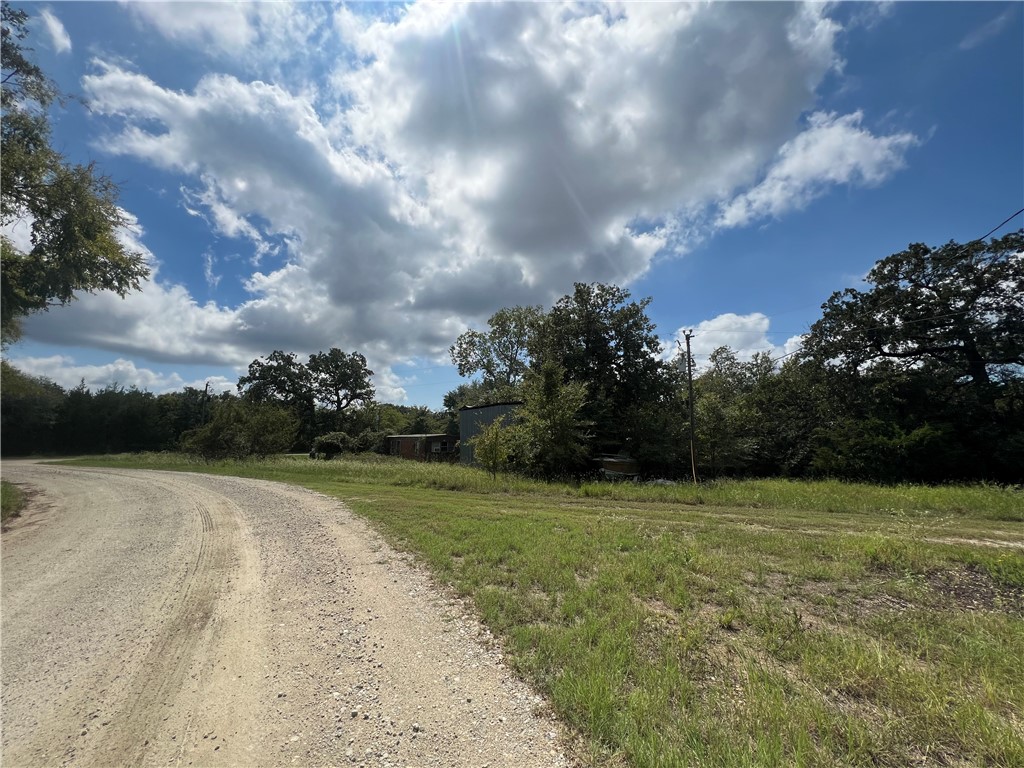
(156, 618)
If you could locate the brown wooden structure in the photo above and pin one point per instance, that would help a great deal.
(439, 447)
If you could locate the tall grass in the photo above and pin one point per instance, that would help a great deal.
(984, 502)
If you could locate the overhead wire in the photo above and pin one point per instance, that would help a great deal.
(992, 260)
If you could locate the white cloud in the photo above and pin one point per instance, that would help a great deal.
(212, 279)
(552, 136)
(276, 39)
(19, 233)
(59, 37)
(746, 335)
(389, 387)
(870, 14)
(460, 158)
(988, 30)
(833, 150)
(63, 370)
(225, 27)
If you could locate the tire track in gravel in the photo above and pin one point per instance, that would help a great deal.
(188, 611)
(124, 681)
(156, 618)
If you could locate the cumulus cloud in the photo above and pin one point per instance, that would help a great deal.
(238, 30)
(59, 37)
(63, 370)
(457, 159)
(833, 150)
(558, 135)
(746, 335)
(225, 27)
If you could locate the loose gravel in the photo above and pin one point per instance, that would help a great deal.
(163, 618)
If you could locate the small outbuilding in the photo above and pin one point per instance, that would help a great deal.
(438, 447)
(474, 419)
(618, 467)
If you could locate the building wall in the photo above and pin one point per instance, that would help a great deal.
(405, 447)
(420, 447)
(473, 420)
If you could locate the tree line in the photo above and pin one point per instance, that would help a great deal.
(920, 377)
(281, 404)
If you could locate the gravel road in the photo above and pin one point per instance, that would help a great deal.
(163, 618)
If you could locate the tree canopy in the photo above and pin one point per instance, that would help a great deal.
(70, 209)
(340, 379)
(335, 380)
(553, 436)
(280, 377)
(604, 340)
(501, 354)
(959, 308)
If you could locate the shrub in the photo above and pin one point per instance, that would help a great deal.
(238, 430)
(372, 440)
(330, 445)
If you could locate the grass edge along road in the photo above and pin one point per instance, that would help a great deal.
(12, 501)
(776, 623)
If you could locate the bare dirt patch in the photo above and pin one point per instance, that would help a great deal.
(971, 589)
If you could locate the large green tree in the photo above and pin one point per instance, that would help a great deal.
(603, 339)
(340, 379)
(727, 417)
(957, 308)
(793, 406)
(501, 354)
(70, 209)
(926, 368)
(550, 431)
(281, 378)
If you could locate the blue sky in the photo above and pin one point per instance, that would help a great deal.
(381, 177)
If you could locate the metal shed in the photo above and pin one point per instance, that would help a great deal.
(473, 419)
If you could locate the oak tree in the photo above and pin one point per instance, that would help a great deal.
(339, 379)
(501, 354)
(70, 209)
(957, 308)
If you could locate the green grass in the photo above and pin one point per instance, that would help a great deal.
(12, 501)
(985, 502)
(742, 623)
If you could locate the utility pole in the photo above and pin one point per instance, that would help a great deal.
(206, 403)
(689, 382)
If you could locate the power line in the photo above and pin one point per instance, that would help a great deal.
(964, 247)
(999, 226)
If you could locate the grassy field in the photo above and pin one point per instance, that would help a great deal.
(739, 623)
(12, 501)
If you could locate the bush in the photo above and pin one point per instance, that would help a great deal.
(334, 443)
(238, 430)
(493, 446)
(330, 445)
(372, 440)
